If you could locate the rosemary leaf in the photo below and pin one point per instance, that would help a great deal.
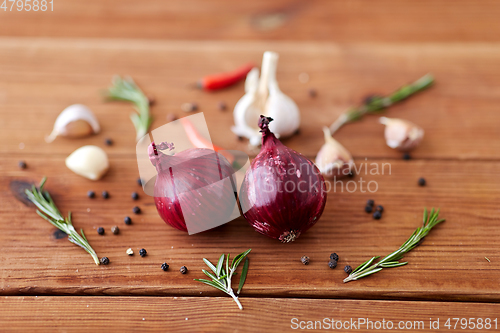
(243, 276)
(219, 265)
(209, 264)
(392, 260)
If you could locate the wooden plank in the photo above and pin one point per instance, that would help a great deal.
(39, 78)
(449, 265)
(207, 314)
(357, 20)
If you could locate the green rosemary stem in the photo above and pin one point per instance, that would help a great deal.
(125, 89)
(392, 260)
(48, 211)
(378, 103)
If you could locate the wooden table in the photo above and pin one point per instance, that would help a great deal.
(349, 50)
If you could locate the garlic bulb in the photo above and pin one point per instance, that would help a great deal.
(74, 122)
(88, 161)
(333, 160)
(401, 134)
(264, 97)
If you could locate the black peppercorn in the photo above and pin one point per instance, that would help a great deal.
(139, 181)
(104, 260)
(222, 106)
(115, 230)
(406, 156)
(143, 252)
(305, 260)
(370, 202)
(105, 194)
(334, 256)
(164, 266)
(136, 210)
(22, 165)
(100, 231)
(332, 264)
(108, 142)
(91, 194)
(135, 196)
(127, 220)
(380, 208)
(183, 270)
(421, 182)
(377, 215)
(348, 269)
(368, 209)
(312, 93)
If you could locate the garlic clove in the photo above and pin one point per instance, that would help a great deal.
(88, 161)
(333, 160)
(75, 121)
(401, 134)
(280, 106)
(252, 80)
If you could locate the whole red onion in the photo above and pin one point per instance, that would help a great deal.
(283, 193)
(195, 185)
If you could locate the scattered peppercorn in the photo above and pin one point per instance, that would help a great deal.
(105, 194)
(332, 264)
(334, 256)
(151, 100)
(135, 196)
(22, 165)
(171, 117)
(183, 270)
(100, 231)
(91, 194)
(130, 252)
(108, 142)
(189, 107)
(305, 260)
(104, 260)
(127, 220)
(380, 208)
(350, 174)
(222, 106)
(164, 266)
(370, 202)
(406, 156)
(348, 269)
(377, 215)
(143, 252)
(368, 209)
(312, 93)
(421, 182)
(240, 138)
(115, 230)
(139, 181)
(136, 210)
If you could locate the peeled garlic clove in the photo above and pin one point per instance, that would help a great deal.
(401, 134)
(88, 161)
(333, 160)
(75, 121)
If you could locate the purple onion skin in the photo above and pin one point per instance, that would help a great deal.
(182, 177)
(271, 206)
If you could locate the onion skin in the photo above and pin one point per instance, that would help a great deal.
(271, 206)
(183, 179)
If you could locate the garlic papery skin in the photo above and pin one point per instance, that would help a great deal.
(88, 161)
(333, 160)
(75, 121)
(263, 97)
(401, 134)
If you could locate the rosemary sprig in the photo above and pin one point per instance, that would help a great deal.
(125, 89)
(392, 260)
(48, 210)
(378, 103)
(222, 278)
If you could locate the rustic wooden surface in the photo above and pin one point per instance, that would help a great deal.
(349, 50)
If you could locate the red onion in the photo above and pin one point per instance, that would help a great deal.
(283, 193)
(194, 189)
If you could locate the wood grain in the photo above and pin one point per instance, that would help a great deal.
(40, 77)
(449, 265)
(214, 314)
(326, 20)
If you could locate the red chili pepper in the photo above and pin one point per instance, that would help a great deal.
(200, 142)
(223, 80)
